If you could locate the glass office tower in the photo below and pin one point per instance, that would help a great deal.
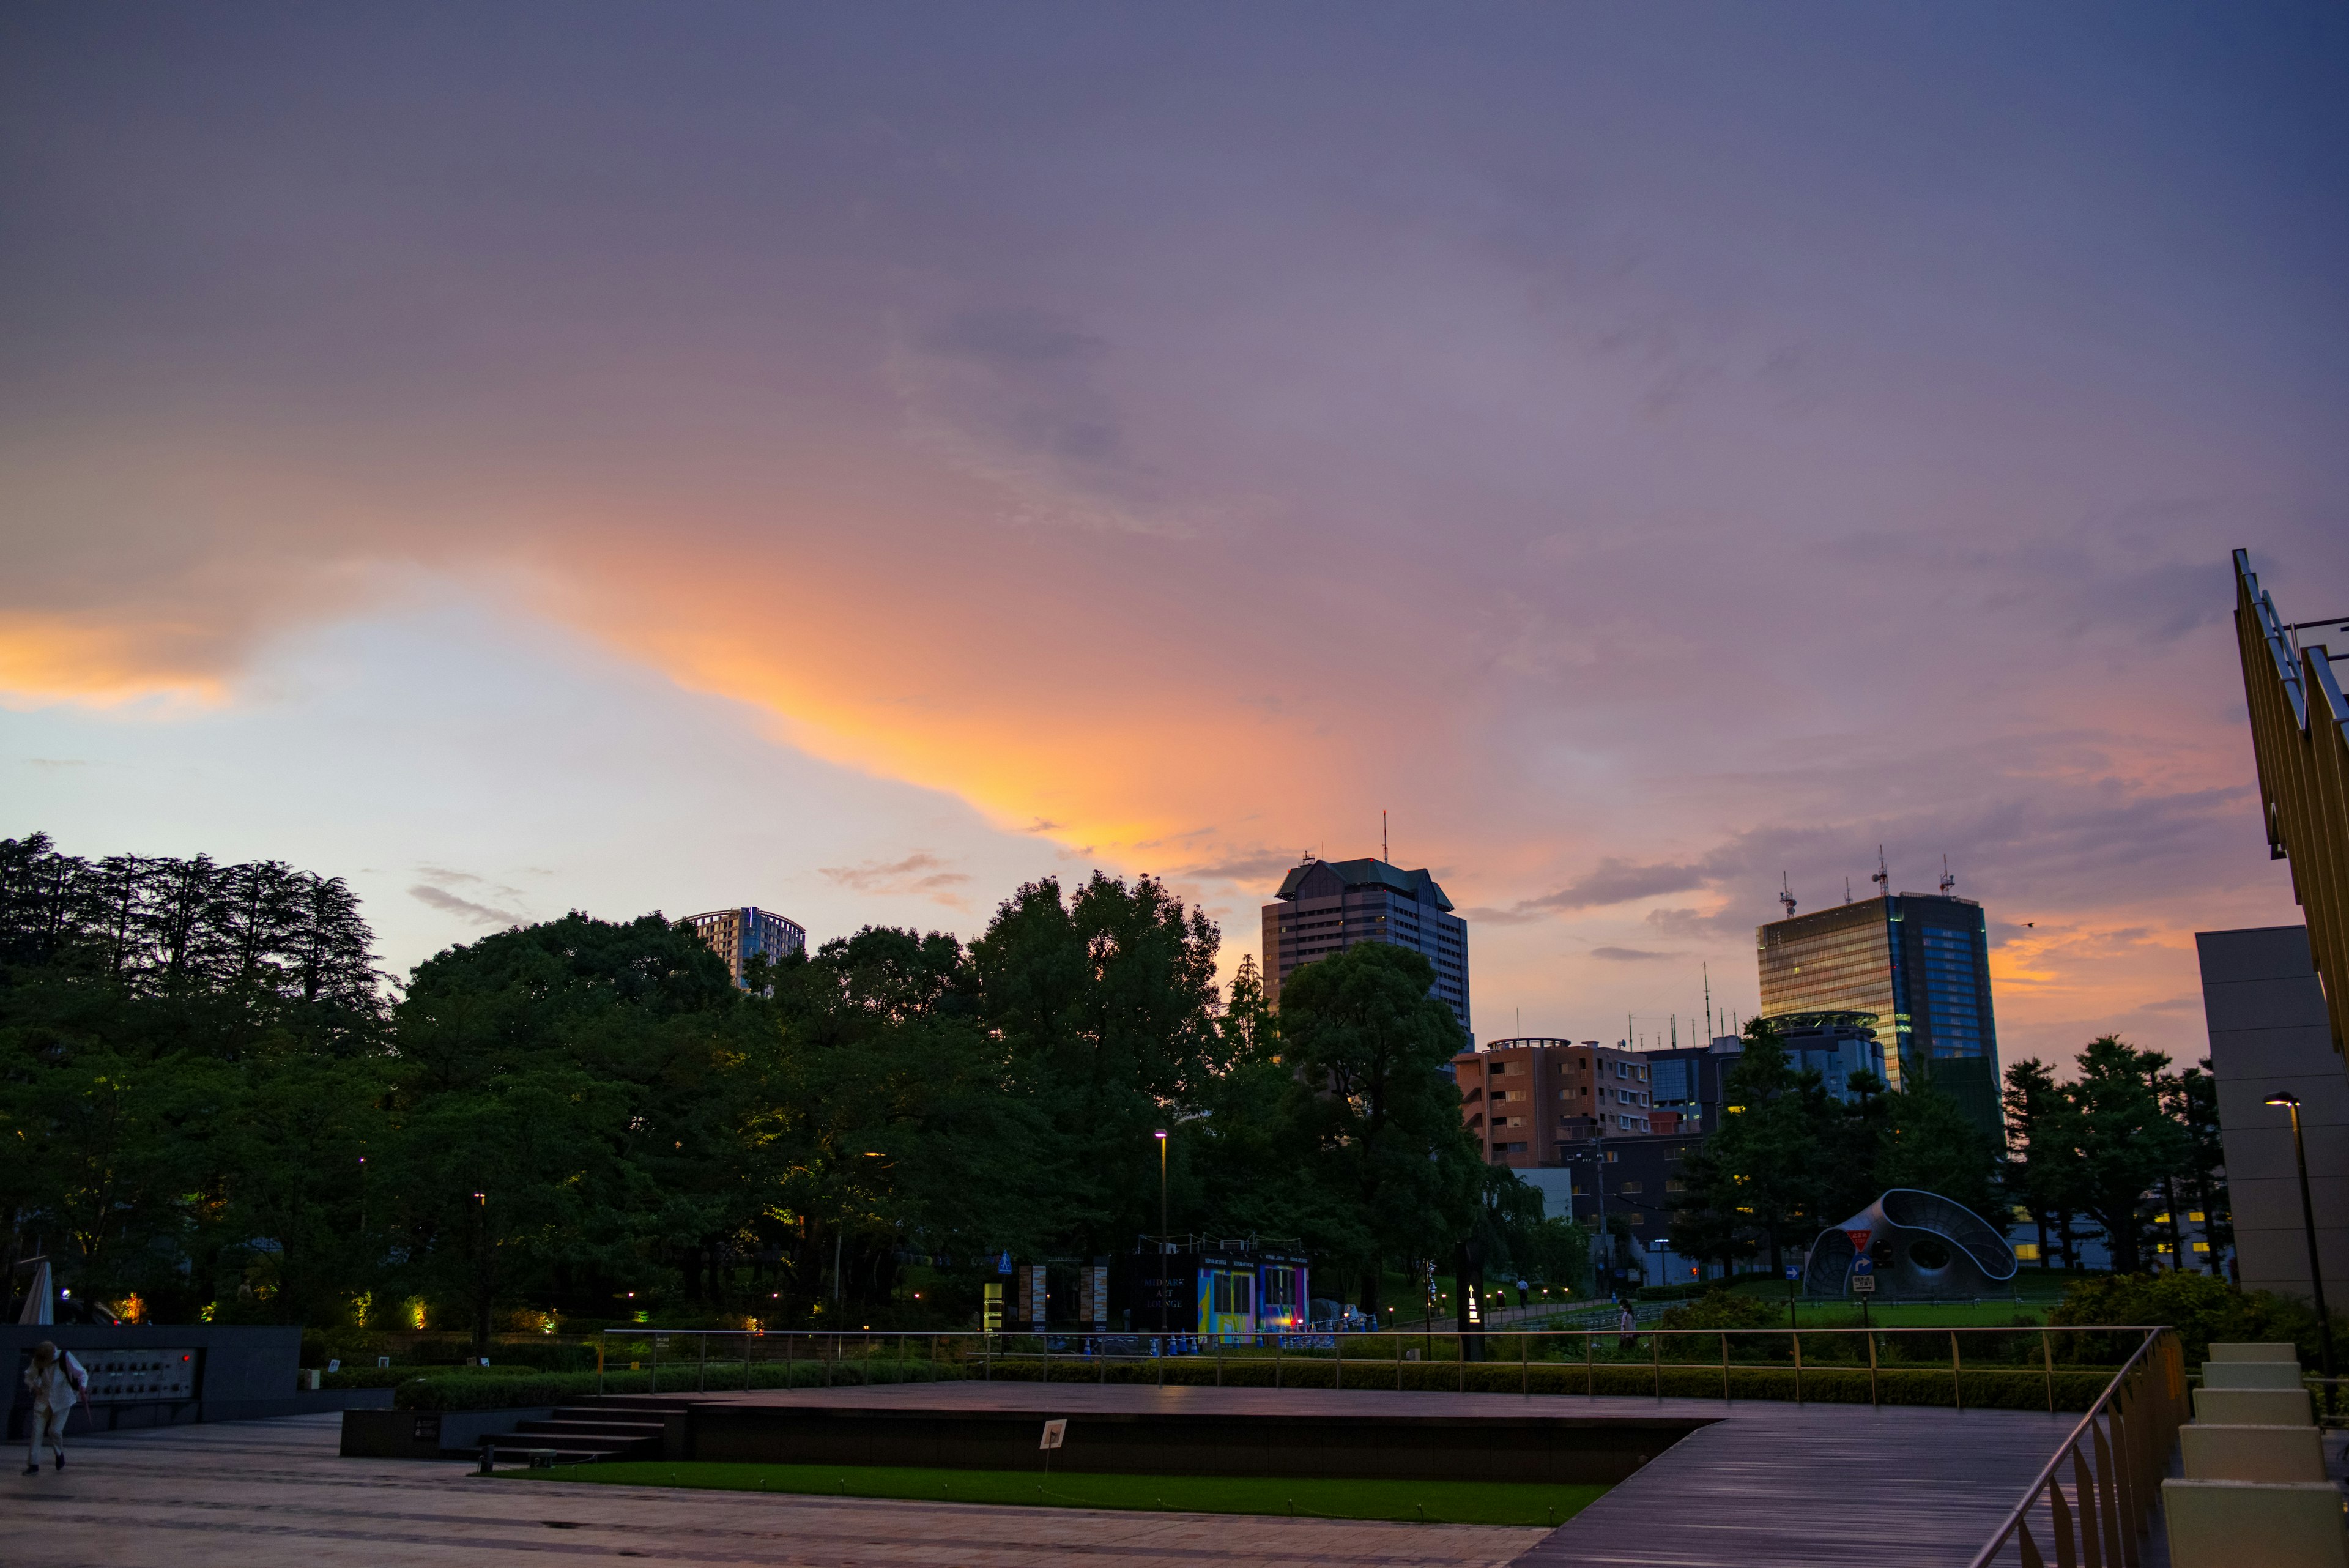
(1921, 963)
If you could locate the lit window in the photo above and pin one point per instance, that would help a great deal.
(2201, 1246)
(2027, 1250)
(2195, 1215)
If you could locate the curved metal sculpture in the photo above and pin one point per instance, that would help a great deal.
(1920, 1243)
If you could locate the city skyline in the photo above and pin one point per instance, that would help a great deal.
(587, 462)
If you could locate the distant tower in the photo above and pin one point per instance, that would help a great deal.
(1920, 964)
(736, 934)
(1326, 906)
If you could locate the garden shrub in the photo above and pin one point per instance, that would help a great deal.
(1725, 1309)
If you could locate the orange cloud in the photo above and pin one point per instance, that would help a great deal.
(57, 658)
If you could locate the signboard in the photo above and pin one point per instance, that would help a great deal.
(1054, 1431)
(1863, 1284)
(1794, 1271)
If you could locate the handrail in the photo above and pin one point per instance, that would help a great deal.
(2127, 1514)
(1014, 1351)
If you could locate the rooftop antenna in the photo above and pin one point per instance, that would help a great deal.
(1383, 854)
(1883, 877)
(1707, 971)
(1786, 895)
(1676, 1030)
(1846, 889)
(1948, 881)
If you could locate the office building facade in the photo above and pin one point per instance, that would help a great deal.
(1920, 963)
(2264, 1004)
(1327, 906)
(735, 935)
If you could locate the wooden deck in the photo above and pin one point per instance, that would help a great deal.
(1766, 1485)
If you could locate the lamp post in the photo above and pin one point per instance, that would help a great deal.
(2291, 1102)
(1164, 1304)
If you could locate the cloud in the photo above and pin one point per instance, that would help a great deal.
(1487, 915)
(448, 903)
(1631, 955)
(1616, 881)
(920, 872)
(1261, 865)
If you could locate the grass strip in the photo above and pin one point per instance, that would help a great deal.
(1310, 1497)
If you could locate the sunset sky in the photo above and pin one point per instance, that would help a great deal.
(853, 458)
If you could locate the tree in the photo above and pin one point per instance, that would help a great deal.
(1928, 1143)
(1106, 1004)
(2191, 1099)
(1769, 1172)
(2043, 1161)
(2127, 1143)
(1369, 1042)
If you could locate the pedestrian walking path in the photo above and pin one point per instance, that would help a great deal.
(274, 1494)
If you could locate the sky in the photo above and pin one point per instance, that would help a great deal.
(853, 459)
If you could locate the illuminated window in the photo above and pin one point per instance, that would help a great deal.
(2027, 1250)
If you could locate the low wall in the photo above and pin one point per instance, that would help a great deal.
(241, 1372)
(1488, 1448)
(387, 1434)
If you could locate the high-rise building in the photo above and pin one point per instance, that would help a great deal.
(1326, 906)
(735, 934)
(1921, 963)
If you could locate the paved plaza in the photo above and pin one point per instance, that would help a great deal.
(1764, 1485)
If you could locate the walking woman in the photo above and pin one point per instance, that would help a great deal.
(56, 1381)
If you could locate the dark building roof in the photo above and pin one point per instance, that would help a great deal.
(1367, 873)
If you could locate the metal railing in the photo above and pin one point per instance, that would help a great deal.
(2117, 1455)
(1915, 1366)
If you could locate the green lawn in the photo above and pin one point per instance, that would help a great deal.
(1437, 1501)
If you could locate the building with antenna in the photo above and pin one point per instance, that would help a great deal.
(1920, 962)
(1327, 906)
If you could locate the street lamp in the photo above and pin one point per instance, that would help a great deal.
(1165, 1307)
(2291, 1102)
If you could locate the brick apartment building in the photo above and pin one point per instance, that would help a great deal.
(1528, 1100)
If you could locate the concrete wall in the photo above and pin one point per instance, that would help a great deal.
(246, 1371)
(2268, 1031)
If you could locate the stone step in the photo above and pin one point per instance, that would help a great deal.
(562, 1426)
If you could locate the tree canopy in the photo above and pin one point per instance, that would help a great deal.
(218, 1108)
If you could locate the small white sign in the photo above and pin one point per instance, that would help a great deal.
(1053, 1432)
(1864, 1284)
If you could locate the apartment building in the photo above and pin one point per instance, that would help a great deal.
(1530, 1100)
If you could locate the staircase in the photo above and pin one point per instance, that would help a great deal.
(610, 1428)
